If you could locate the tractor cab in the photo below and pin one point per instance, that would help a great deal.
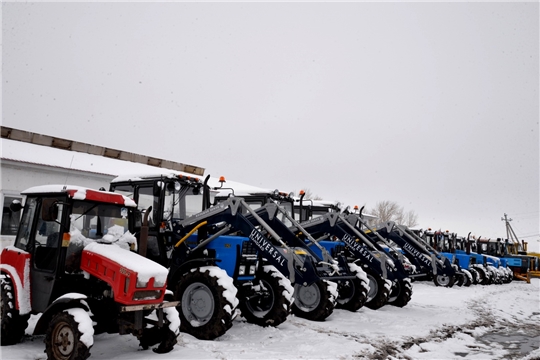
(163, 198)
(56, 224)
(254, 197)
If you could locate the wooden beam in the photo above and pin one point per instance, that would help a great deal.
(65, 144)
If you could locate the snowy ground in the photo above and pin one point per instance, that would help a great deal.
(479, 322)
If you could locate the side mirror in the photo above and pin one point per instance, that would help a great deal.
(15, 206)
(49, 210)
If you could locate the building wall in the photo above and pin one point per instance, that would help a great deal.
(18, 176)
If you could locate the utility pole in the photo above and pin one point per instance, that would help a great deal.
(511, 236)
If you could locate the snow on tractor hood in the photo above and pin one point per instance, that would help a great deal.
(144, 267)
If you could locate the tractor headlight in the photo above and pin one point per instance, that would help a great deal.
(242, 270)
(252, 269)
(141, 284)
(147, 295)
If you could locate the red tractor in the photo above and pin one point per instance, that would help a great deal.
(73, 262)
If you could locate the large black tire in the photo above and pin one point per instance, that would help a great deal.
(272, 301)
(401, 293)
(460, 279)
(315, 302)
(509, 276)
(204, 310)
(468, 278)
(444, 280)
(352, 295)
(63, 338)
(496, 277)
(13, 324)
(483, 276)
(475, 276)
(378, 293)
(166, 336)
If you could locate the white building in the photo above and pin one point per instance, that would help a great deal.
(24, 164)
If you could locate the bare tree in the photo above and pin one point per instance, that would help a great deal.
(390, 211)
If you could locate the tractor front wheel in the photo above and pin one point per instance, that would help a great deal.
(64, 340)
(475, 276)
(205, 311)
(316, 301)
(468, 277)
(460, 279)
(353, 294)
(378, 292)
(444, 280)
(270, 302)
(401, 294)
(483, 276)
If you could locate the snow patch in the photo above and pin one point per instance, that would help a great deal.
(332, 289)
(174, 319)
(227, 282)
(85, 325)
(283, 281)
(22, 285)
(360, 273)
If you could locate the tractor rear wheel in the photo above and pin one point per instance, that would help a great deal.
(63, 340)
(271, 303)
(315, 302)
(444, 280)
(378, 293)
(13, 324)
(205, 311)
(353, 294)
(401, 294)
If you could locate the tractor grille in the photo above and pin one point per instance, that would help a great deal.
(338, 250)
(248, 248)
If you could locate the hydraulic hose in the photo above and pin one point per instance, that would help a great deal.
(190, 233)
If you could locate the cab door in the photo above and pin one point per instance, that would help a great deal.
(46, 240)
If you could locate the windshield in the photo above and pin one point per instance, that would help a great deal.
(98, 221)
(183, 203)
(288, 208)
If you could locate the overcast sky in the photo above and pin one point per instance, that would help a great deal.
(432, 105)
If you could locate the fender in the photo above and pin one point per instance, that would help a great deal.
(67, 301)
(176, 272)
(16, 263)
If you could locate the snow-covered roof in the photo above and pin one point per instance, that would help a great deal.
(322, 203)
(240, 189)
(155, 173)
(81, 193)
(49, 156)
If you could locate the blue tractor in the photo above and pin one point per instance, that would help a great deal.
(275, 209)
(429, 264)
(340, 233)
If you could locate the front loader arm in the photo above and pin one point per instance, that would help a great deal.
(357, 244)
(227, 217)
